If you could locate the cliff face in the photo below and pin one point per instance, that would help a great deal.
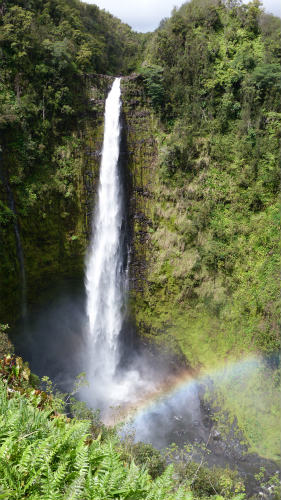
(179, 299)
(52, 55)
(54, 227)
(139, 127)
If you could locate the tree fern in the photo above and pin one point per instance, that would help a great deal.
(7, 447)
(162, 486)
(75, 490)
(81, 463)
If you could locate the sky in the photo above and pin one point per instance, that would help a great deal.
(145, 15)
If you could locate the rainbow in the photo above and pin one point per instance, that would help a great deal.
(180, 384)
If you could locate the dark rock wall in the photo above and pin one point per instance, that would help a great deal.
(139, 123)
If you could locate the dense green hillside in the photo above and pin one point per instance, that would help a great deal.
(202, 116)
(214, 74)
(50, 131)
(212, 287)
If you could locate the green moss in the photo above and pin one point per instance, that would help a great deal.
(5, 345)
(54, 206)
(207, 258)
(249, 392)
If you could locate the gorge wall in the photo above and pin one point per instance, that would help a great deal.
(55, 227)
(51, 134)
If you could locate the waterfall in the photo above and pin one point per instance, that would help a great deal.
(106, 282)
(105, 271)
(19, 253)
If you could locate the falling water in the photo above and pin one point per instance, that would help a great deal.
(105, 273)
(19, 253)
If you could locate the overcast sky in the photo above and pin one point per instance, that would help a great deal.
(145, 15)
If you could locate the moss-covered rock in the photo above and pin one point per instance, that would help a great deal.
(139, 123)
(5, 345)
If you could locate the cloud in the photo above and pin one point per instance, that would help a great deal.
(273, 7)
(146, 16)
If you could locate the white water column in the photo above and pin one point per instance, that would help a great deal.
(105, 276)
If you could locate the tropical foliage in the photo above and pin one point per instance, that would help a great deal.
(50, 54)
(212, 75)
(216, 223)
(44, 454)
(213, 281)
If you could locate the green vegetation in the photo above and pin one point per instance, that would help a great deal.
(250, 394)
(205, 213)
(154, 84)
(212, 286)
(216, 223)
(44, 454)
(50, 55)
(55, 458)
(5, 345)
